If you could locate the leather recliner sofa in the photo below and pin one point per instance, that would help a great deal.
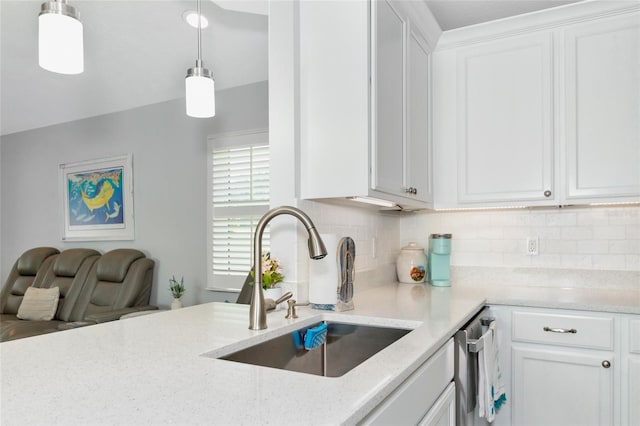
(93, 288)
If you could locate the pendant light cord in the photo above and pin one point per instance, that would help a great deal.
(199, 60)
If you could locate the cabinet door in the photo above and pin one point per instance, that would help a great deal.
(602, 106)
(631, 377)
(561, 387)
(504, 107)
(443, 412)
(410, 402)
(633, 399)
(388, 104)
(418, 156)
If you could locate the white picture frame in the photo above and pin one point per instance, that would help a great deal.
(97, 199)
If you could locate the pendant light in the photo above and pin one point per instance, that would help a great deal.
(199, 85)
(60, 45)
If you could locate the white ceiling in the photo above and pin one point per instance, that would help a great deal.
(452, 14)
(137, 53)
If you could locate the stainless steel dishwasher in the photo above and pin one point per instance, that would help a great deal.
(466, 368)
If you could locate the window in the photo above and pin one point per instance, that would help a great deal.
(239, 196)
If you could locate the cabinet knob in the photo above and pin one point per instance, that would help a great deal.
(606, 364)
(411, 190)
(547, 193)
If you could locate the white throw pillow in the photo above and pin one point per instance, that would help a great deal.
(39, 304)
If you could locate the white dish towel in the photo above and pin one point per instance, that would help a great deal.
(491, 392)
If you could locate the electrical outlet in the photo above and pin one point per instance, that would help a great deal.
(532, 246)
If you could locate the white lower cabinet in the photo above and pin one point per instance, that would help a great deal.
(631, 381)
(561, 387)
(443, 412)
(569, 367)
(425, 389)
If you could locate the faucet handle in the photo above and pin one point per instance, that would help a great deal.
(270, 304)
(291, 311)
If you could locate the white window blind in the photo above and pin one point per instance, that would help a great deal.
(239, 191)
(241, 176)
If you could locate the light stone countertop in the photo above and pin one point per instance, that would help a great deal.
(149, 370)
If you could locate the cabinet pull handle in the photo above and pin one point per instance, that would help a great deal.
(560, 330)
(547, 193)
(411, 190)
(606, 364)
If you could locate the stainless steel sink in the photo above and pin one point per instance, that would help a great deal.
(346, 347)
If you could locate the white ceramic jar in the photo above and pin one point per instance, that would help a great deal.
(411, 265)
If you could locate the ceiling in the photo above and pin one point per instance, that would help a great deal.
(137, 53)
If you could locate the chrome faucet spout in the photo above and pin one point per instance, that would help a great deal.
(317, 250)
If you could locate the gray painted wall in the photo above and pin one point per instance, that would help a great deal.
(169, 169)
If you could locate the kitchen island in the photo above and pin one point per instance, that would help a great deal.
(150, 370)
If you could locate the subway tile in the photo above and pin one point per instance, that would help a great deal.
(577, 261)
(469, 246)
(557, 247)
(609, 261)
(593, 247)
(537, 219)
(507, 246)
(561, 219)
(625, 216)
(546, 261)
(593, 217)
(570, 238)
(516, 260)
(624, 247)
(577, 233)
(632, 232)
(632, 262)
(476, 259)
(547, 233)
(609, 232)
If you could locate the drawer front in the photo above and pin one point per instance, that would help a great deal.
(413, 398)
(581, 331)
(634, 336)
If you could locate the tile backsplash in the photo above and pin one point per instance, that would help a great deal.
(588, 246)
(367, 227)
(585, 238)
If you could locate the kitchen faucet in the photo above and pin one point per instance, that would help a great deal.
(317, 250)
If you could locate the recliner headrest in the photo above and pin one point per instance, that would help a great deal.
(30, 261)
(69, 261)
(113, 266)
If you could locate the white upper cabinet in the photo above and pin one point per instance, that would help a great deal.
(419, 152)
(602, 109)
(540, 109)
(505, 113)
(364, 100)
(388, 101)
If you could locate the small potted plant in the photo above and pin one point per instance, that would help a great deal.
(271, 276)
(177, 290)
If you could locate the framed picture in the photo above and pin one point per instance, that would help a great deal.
(97, 199)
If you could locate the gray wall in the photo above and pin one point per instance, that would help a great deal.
(169, 168)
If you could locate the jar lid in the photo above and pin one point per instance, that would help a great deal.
(412, 246)
(447, 236)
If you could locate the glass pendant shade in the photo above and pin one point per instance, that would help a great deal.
(60, 41)
(200, 93)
